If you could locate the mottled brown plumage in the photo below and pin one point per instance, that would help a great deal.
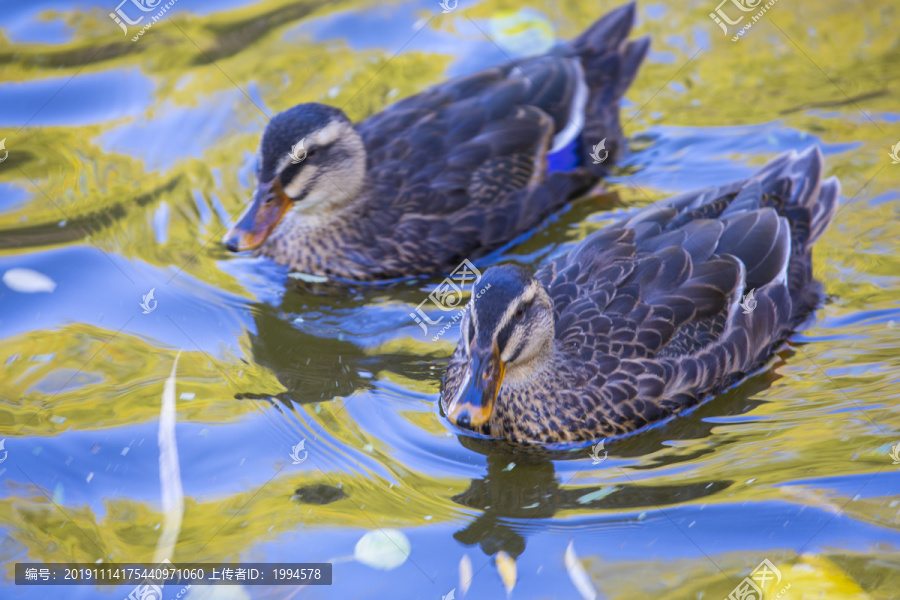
(643, 319)
(451, 173)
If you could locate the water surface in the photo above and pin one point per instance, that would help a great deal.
(127, 161)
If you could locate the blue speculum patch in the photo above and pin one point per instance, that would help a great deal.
(565, 159)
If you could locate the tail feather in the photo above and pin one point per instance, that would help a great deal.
(803, 170)
(806, 173)
(610, 63)
(810, 197)
(824, 209)
(608, 32)
(794, 180)
(771, 221)
(634, 55)
(609, 59)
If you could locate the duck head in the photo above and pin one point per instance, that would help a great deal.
(506, 337)
(311, 160)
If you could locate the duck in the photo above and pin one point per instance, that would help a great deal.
(645, 318)
(453, 172)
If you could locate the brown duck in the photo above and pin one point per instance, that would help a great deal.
(645, 318)
(451, 173)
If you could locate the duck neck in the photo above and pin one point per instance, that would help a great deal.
(540, 367)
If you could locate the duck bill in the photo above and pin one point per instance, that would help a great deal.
(474, 402)
(269, 205)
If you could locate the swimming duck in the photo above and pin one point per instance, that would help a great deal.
(646, 317)
(451, 173)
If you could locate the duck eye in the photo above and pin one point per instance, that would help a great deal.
(520, 313)
(311, 152)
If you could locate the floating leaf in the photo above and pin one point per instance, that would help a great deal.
(506, 566)
(384, 549)
(308, 278)
(578, 575)
(171, 489)
(601, 493)
(465, 574)
(28, 281)
(59, 494)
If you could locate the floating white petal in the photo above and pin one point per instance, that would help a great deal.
(169, 471)
(465, 574)
(383, 549)
(28, 281)
(578, 575)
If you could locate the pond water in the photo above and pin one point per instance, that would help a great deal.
(127, 161)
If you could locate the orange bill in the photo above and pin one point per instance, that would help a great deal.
(269, 205)
(474, 401)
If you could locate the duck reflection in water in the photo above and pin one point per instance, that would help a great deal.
(521, 484)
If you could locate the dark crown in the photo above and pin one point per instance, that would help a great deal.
(289, 127)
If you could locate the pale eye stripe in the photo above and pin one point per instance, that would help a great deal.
(300, 181)
(524, 298)
(466, 326)
(330, 133)
(515, 355)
